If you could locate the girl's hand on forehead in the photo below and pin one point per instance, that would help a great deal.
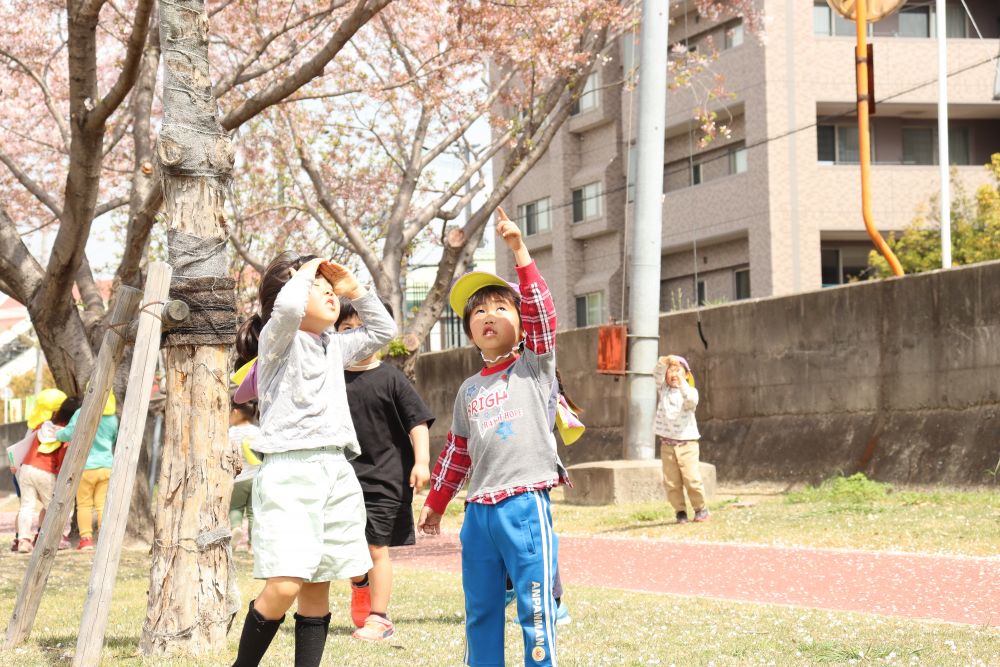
(343, 281)
(311, 266)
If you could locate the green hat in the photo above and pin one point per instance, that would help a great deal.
(472, 282)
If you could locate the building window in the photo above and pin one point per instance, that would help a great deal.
(587, 202)
(742, 280)
(828, 23)
(737, 160)
(534, 217)
(956, 25)
(696, 173)
(844, 263)
(734, 35)
(915, 22)
(701, 292)
(588, 98)
(920, 145)
(838, 144)
(590, 309)
(958, 146)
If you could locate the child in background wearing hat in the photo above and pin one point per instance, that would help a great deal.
(501, 440)
(93, 487)
(677, 429)
(36, 475)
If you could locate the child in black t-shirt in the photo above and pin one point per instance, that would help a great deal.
(392, 423)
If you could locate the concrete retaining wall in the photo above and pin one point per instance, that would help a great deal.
(899, 379)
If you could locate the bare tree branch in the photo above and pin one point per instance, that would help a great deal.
(109, 206)
(130, 68)
(363, 11)
(146, 194)
(93, 302)
(244, 253)
(19, 270)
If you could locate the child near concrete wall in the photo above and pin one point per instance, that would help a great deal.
(677, 429)
(501, 440)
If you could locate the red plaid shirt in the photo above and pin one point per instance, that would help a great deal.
(454, 465)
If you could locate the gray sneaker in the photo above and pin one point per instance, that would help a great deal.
(701, 515)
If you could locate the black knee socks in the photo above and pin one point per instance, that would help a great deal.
(257, 635)
(310, 639)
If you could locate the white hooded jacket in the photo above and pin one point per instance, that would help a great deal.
(675, 408)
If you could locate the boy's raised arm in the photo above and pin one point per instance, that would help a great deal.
(538, 311)
(377, 328)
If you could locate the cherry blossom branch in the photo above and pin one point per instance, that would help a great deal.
(46, 94)
(352, 233)
(31, 186)
(239, 75)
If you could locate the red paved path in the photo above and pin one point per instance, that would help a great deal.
(948, 588)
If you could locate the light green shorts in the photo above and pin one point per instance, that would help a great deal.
(309, 517)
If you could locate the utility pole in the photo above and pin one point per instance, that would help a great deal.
(644, 267)
(944, 160)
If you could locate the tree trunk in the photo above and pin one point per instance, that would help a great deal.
(67, 351)
(192, 592)
(192, 576)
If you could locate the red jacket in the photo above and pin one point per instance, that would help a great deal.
(51, 462)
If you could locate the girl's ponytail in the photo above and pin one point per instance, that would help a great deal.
(247, 337)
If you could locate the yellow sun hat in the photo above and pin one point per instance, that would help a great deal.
(110, 404)
(472, 282)
(47, 401)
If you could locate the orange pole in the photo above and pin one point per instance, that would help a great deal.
(864, 143)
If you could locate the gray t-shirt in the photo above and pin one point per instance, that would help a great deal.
(504, 415)
(300, 376)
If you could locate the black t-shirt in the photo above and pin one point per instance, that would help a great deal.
(384, 408)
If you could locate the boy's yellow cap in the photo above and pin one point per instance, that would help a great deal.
(47, 401)
(471, 283)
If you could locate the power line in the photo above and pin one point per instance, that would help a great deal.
(822, 120)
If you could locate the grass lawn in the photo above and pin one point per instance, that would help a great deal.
(657, 629)
(847, 513)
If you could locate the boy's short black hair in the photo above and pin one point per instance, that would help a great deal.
(484, 295)
(347, 309)
(65, 412)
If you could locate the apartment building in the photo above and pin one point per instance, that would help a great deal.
(774, 208)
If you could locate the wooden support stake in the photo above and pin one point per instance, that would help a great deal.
(64, 493)
(94, 622)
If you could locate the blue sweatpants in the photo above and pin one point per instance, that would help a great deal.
(514, 536)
